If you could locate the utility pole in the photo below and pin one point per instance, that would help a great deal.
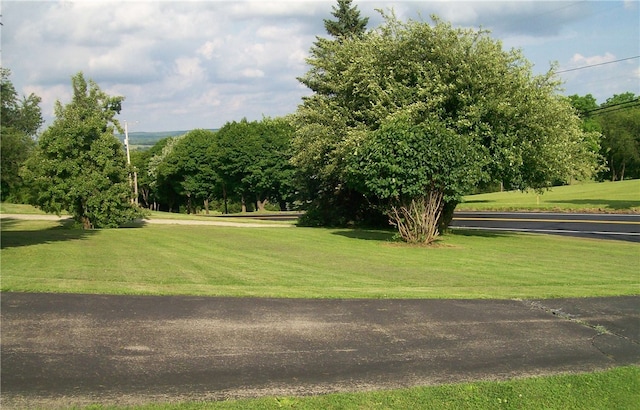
(135, 174)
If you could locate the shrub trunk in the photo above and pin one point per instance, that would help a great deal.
(417, 222)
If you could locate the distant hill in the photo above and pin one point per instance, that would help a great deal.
(146, 140)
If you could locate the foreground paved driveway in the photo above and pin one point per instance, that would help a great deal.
(60, 350)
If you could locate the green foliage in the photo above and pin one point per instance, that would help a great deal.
(618, 122)
(159, 189)
(188, 168)
(252, 161)
(403, 160)
(79, 165)
(619, 99)
(239, 167)
(19, 123)
(583, 104)
(621, 142)
(348, 23)
(415, 169)
(501, 122)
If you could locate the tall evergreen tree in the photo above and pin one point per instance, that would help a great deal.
(349, 23)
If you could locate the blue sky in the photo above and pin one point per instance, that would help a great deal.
(199, 64)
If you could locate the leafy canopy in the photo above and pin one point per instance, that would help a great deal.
(79, 165)
(618, 120)
(20, 121)
(465, 109)
(189, 167)
(253, 160)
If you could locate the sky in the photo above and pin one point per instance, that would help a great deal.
(183, 65)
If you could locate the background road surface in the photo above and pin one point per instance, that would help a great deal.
(601, 226)
(63, 350)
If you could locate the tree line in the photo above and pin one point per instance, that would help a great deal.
(244, 166)
(617, 120)
(403, 120)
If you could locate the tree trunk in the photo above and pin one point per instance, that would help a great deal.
(206, 206)
(224, 197)
(189, 204)
(86, 222)
(144, 193)
(447, 215)
(417, 222)
(622, 172)
(244, 204)
(613, 171)
(260, 204)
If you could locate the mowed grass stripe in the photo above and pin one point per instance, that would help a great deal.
(311, 263)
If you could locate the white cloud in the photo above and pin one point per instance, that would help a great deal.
(580, 60)
(252, 73)
(209, 49)
(49, 95)
(198, 64)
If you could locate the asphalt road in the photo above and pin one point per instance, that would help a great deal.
(624, 227)
(71, 350)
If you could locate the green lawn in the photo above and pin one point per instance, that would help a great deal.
(43, 256)
(9, 208)
(614, 389)
(621, 196)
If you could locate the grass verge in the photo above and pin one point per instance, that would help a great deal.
(613, 389)
(43, 256)
(621, 196)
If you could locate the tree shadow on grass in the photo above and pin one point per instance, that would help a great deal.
(138, 223)
(600, 203)
(475, 201)
(391, 235)
(63, 231)
(368, 234)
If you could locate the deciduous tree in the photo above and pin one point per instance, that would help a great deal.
(460, 104)
(618, 120)
(20, 121)
(253, 161)
(190, 168)
(79, 165)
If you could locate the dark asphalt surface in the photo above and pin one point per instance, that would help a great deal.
(625, 227)
(61, 350)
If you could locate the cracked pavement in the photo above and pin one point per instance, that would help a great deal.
(61, 350)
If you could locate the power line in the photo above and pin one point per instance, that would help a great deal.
(615, 110)
(596, 65)
(612, 107)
